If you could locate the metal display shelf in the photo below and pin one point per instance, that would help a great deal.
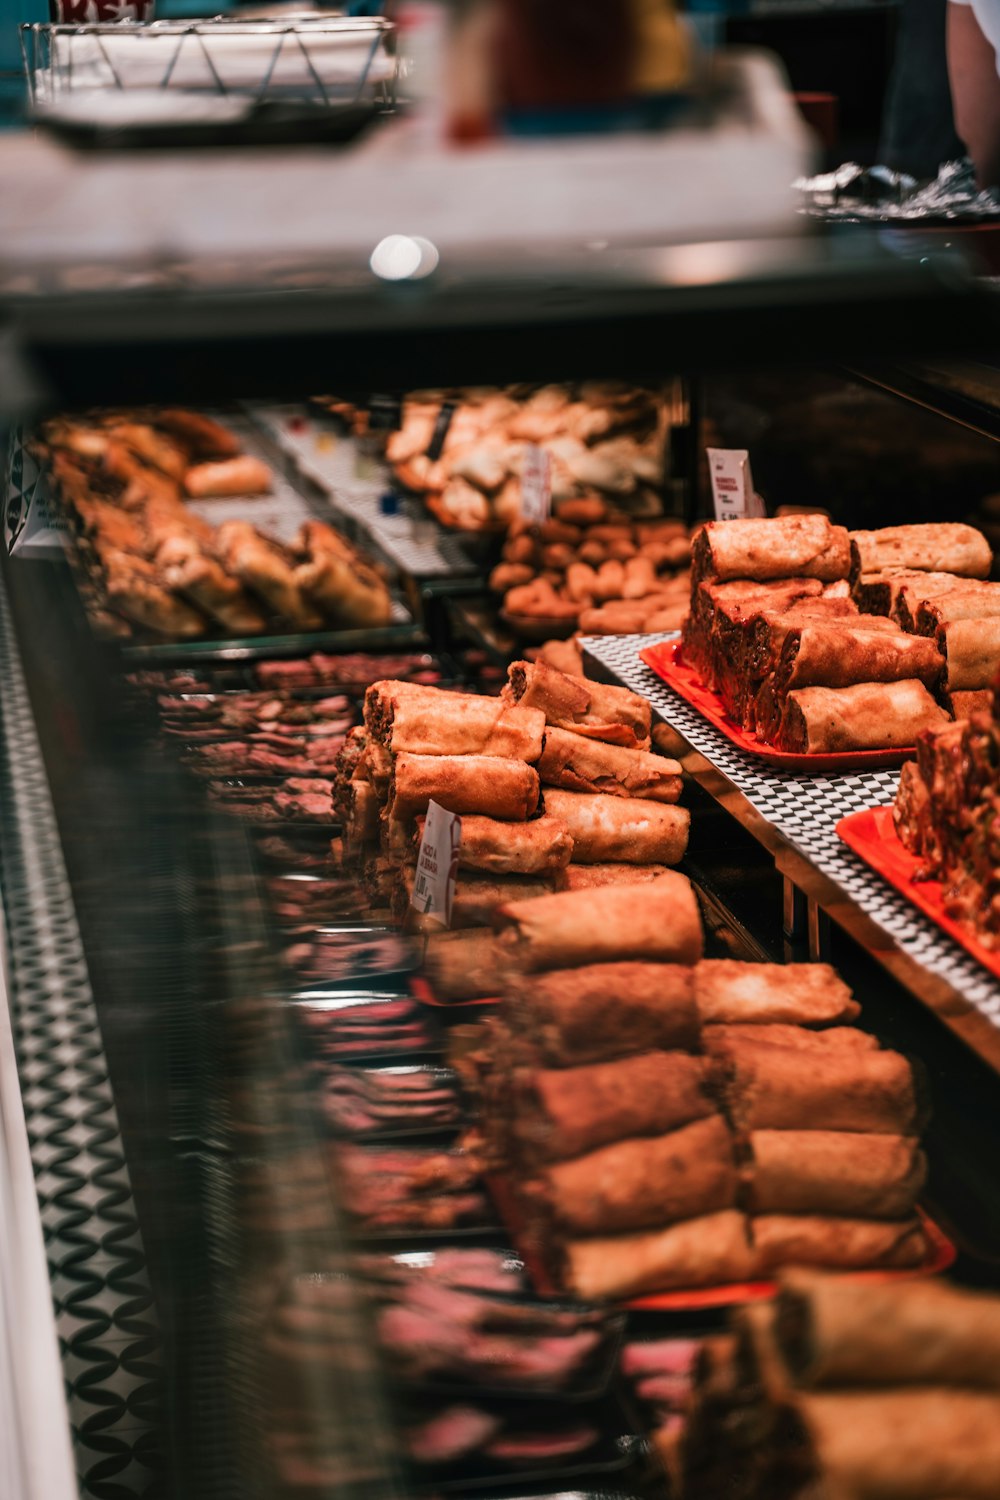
(353, 485)
(795, 816)
(964, 391)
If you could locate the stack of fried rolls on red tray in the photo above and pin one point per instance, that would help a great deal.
(821, 640)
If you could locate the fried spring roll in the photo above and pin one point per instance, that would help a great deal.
(931, 1444)
(839, 656)
(718, 1038)
(835, 1331)
(344, 586)
(204, 437)
(580, 765)
(870, 716)
(418, 720)
(660, 920)
(973, 601)
(857, 1175)
(714, 1249)
(601, 1011)
(790, 547)
(589, 708)
(798, 994)
(487, 784)
(942, 546)
(233, 476)
(638, 1184)
(462, 965)
(767, 1088)
(542, 846)
(476, 897)
(971, 649)
(565, 1112)
(844, 1244)
(263, 567)
(964, 705)
(587, 877)
(620, 830)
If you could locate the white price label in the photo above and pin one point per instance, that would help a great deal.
(536, 484)
(437, 864)
(33, 522)
(733, 494)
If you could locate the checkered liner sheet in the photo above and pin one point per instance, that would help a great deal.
(806, 811)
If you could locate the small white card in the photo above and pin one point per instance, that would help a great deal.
(437, 864)
(536, 484)
(733, 493)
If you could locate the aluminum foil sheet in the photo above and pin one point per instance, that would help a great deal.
(855, 194)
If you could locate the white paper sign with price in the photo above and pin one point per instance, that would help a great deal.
(536, 484)
(733, 494)
(437, 864)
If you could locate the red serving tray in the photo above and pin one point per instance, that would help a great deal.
(421, 990)
(941, 1254)
(874, 839)
(668, 664)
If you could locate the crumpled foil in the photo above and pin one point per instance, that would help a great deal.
(855, 194)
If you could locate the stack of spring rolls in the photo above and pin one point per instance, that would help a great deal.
(664, 1121)
(822, 640)
(609, 803)
(472, 755)
(846, 1390)
(946, 814)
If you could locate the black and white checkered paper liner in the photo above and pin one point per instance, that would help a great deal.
(806, 811)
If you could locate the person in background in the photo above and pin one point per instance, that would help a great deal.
(918, 127)
(974, 70)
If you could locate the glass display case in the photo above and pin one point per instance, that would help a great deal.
(256, 1130)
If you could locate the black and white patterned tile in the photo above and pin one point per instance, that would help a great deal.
(806, 810)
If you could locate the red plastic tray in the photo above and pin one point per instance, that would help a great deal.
(668, 664)
(871, 835)
(941, 1254)
(421, 990)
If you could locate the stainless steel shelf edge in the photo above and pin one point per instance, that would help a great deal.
(794, 816)
(99, 1297)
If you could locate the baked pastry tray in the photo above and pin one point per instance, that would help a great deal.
(871, 835)
(668, 663)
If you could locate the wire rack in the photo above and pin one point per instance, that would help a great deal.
(330, 60)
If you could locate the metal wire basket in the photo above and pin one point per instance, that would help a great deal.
(324, 60)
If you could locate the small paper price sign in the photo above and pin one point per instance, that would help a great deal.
(437, 864)
(733, 494)
(536, 484)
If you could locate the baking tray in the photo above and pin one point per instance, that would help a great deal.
(619, 1444)
(942, 1254)
(446, 1128)
(400, 956)
(668, 664)
(591, 1381)
(871, 835)
(372, 1235)
(369, 1049)
(347, 894)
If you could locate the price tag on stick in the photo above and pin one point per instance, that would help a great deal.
(536, 484)
(733, 493)
(437, 864)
